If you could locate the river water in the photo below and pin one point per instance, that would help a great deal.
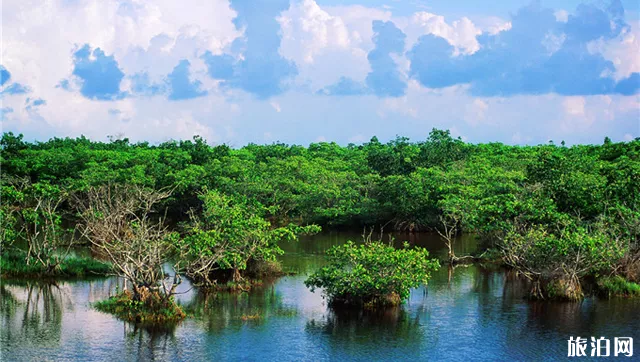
(466, 313)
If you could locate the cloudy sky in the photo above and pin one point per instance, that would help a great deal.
(301, 71)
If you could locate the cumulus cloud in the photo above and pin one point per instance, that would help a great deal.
(315, 37)
(537, 55)
(108, 67)
(308, 30)
(461, 34)
(574, 106)
(622, 51)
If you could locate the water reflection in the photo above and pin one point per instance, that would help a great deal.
(217, 312)
(369, 326)
(149, 344)
(32, 311)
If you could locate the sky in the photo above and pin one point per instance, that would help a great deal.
(303, 71)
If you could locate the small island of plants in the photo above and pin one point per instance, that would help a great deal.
(372, 274)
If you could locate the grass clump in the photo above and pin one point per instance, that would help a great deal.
(14, 263)
(151, 309)
(618, 286)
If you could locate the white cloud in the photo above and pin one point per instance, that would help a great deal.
(562, 15)
(461, 33)
(324, 42)
(39, 39)
(308, 30)
(574, 106)
(623, 51)
(491, 24)
(315, 40)
(603, 114)
(358, 20)
(476, 112)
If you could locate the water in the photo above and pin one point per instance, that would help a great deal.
(468, 313)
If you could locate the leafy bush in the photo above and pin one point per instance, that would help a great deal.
(373, 273)
(231, 238)
(618, 286)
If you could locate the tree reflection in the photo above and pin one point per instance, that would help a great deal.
(32, 311)
(218, 311)
(150, 343)
(369, 327)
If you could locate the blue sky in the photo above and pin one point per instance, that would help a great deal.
(302, 71)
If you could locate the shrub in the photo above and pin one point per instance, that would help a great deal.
(618, 286)
(372, 274)
(557, 259)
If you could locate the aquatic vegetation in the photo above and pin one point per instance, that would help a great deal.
(618, 286)
(12, 263)
(372, 274)
(557, 260)
(120, 222)
(231, 243)
(150, 307)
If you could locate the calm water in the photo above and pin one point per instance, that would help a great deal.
(469, 313)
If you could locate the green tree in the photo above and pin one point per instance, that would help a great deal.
(373, 273)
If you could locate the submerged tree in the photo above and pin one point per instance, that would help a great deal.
(122, 223)
(556, 259)
(230, 239)
(372, 274)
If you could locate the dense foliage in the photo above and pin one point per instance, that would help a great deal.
(32, 216)
(231, 237)
(373, 273)
(540, 206)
